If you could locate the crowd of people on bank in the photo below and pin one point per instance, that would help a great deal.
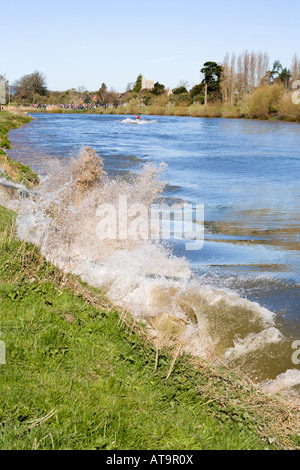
(73, 106)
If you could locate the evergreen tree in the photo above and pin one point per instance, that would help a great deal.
(158, 89)
(138, 84)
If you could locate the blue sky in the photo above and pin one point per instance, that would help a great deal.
(87, 42)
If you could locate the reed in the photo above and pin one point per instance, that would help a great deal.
(181, 110)
(287, 110)
(208, 111)
(264, 102)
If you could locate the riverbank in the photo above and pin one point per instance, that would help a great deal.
(265, 103)
(81, 374)
(10, 169)
(212, 111)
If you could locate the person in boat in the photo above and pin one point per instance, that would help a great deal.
(138, 117)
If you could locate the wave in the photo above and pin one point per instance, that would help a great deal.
(287, 384)
(139, 122)
(143, 275)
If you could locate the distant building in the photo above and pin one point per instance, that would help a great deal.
(147, 84)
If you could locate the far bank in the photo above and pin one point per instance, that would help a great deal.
(265, 103)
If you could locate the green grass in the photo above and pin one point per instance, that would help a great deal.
(12, 170)
(77, 376)
(10, 121)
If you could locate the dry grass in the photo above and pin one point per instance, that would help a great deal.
(18, 173)
(282, 417)
(287, 110)
(263, 102)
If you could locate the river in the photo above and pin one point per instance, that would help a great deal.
(246, 175)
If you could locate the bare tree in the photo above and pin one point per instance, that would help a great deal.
(260, 72)
(81, 90)
(107, 97)
(225, 79)
(232, 79)
(265, 67)
(29, 87)
(242, 74)
(4, 90)
(295, 68)
(253, 71)
(246, 69)
(239, 79)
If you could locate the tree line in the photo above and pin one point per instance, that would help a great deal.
(227, 82)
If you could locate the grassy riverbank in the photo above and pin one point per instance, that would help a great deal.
(264, 103)
(81, 375)
(10, 169)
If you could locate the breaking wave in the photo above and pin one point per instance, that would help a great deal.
(144, 276)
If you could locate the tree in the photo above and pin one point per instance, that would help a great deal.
(29, 86)
(180, 95)
(107, 97)
(271, 75)
(81, 90)
(179, 90)
(158, 89)
(87, 99)
(111, 97)
(210, 87)
(138, 84)
(102, 93)
(181, 99)
(279, 74)
(197, 93)
(295, 68)
(212, 75)
(130, 86)
(147, 98)
(285, 77)
(243, 73)
(277, 67)
(4, 90)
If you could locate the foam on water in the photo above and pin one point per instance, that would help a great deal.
(253, 342)
(139, 122)
(143, 276)
(287, 384)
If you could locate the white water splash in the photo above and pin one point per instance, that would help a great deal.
(139, 122)
(141, 276)
(287, 384)
(254, 342)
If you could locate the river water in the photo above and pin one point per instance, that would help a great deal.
(246, 174)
